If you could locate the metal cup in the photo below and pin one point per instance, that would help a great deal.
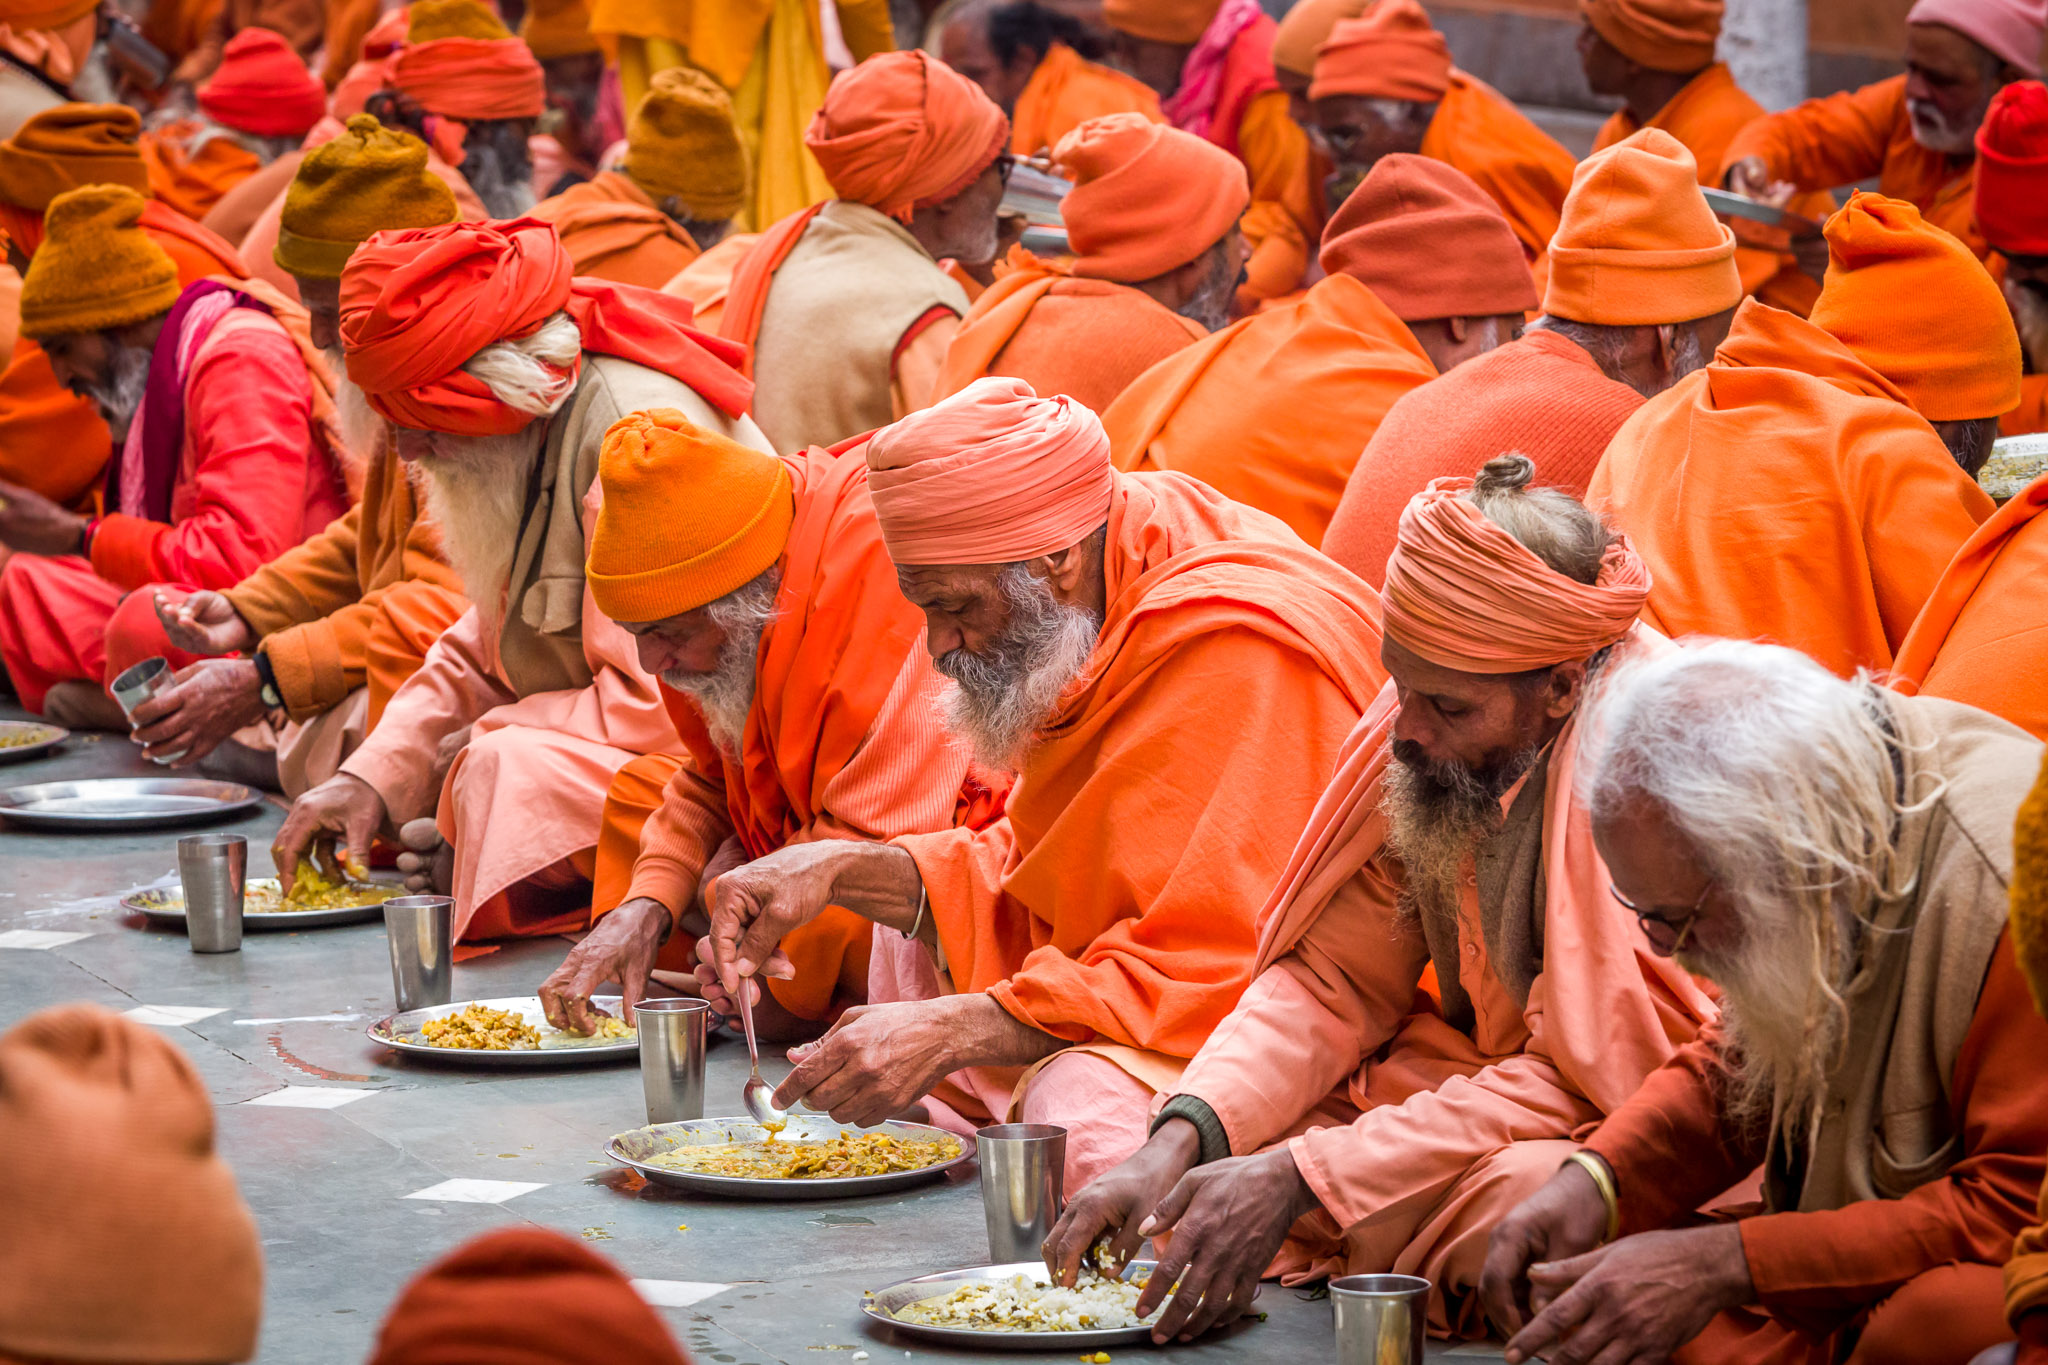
(1023, 1176)
(213, 868)
(1380, 1318)
(672, 1032)
(137, 685)
(420, 931)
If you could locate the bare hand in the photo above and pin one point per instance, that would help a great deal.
(756, 906)
(31, 524)
(1751, 178)
(205, 703)
(1119, 1200)
(343, 805)
(1566, 1217)
(445, 753)
(1639, 1299)
(621, 948)
(877, 1060)
(1228, 1219)
(204, 623)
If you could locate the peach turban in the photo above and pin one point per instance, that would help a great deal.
(2010, 30)
(262, 87)
(417, 304)
(523, 1296)
(1465, 595)
(72, 145)
(1161, 21)
(903, 130)
(1147, 198)
(1637, 245)
(467, 76)
(992, 475)
(1429, 242)
(126, 1237)
(1920, 309)
(2012, 170)
(1664, 35)
(1306, 27)
(1393, 53)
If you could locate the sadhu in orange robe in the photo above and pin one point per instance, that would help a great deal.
(613, 231)
(1065, 91)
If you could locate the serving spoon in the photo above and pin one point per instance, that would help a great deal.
(758, 1095)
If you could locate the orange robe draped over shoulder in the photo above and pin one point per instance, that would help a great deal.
(192, 182)
(1787, 492)
(1274, 410)
(707, 280)
(613, 231)
(1479, 131)
(1066, 91)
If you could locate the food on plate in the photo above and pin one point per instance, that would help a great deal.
(479, 1028)
(1019, 1304)
(311, 890)
(20, 736)
(837, 1158)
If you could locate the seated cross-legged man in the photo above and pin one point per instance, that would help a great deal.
(1835, 859)
(1169, 675)
(1341, 1121)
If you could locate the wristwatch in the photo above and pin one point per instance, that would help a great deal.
(271, 696)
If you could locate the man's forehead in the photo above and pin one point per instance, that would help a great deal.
(934, 578)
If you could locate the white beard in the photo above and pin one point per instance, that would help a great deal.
(476, 494)
(1000, 700)
(725, 695)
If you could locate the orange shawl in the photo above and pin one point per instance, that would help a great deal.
(613, 231)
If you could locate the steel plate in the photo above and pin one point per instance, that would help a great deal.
(881, 1306)
(1729, 204)
(165, 905)
(402, 1032)
(634, 1148)
(111, 803)
(47, 738)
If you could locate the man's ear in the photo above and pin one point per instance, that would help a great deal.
(1567, 689)
(1459, 328)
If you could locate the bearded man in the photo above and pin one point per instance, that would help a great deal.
(228, 454)
(2011, 189)
(1835, 859)
(1305, 27)
(1370, 1129)
(789, 663)
(1028, 58)
(330, 629)
(1914, 133)
(258, 105)
(1157, 255)
(500, 374)
(1160, 667)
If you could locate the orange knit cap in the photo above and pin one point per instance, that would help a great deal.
(1920, 309)
(903, 130)
(109, 1141)
(1147, 198)
(96, 269)
(688, 516)
(71, 145)
(1305, 28)
(1393, 53)
(558, 28)
(2012, 170)
(1664, 35)
(1161, 21)
(1637, 245)
(262, 87)
(1429, 242)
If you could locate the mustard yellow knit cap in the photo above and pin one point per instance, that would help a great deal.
(96, 269)
(370, 179)
(431, 19)
(558, 28)
(682, 141)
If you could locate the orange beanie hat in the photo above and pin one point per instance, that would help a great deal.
(1147, 198)
(1306, 27)
(96, 269)
(1637, 245)
(1429, 242)
(262, 87)
(1161, 21)
(126, 1238)
(1920, 309)
(370, 179)
(1393, 53)
(71, 145)
(688, 516)
(1664, 35)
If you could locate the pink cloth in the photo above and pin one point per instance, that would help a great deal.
(2012, 29)
(1192, 105)
(992, 475)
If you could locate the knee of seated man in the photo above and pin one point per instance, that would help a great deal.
(1943, 1316)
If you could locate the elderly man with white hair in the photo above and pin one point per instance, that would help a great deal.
(500, 375)
(1835, 858)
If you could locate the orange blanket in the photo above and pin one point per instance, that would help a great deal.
(613, 231)
(1067, 90)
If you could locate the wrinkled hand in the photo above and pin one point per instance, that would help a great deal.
(1119, 1200)
(754, 907)
(1751, 178)
(724, 1004)
(33, 525)
(445, 753)
(621, 948)
(1228, 1219)
(731, 854)
(343, 805)
(876, 1061)
(1638, 1299)
(1566, 1217)
(204, 623)
(205, 703)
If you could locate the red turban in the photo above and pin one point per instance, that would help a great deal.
(903, 130)
(992, 475)
(1147, 198)
(2012, 170)
(1393, 53)
(471, 79)
(417, 304)
(1429, 242)
(262, 87)
(1464, 594)
(523, 1296)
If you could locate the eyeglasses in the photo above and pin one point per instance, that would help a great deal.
(1649, 918)
(1005, 163)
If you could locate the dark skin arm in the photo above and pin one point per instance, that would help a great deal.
(1228, 1219)
(1116, 1202)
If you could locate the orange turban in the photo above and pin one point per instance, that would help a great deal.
(126, 1238)
(1393, 53)
(1664, 35)
(523, 1296)
(1465, 595)
(1161, 21)
(903, 130)
(1637, 245)
(417, 304)
(2012, 170)
(262, 87)
(1147, 198)
(71, 145)
(1920, 309)
(1429, 242)
(1305, 28)
(992, 475)
(471, 79)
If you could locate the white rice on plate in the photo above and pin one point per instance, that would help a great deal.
(1020, 1305)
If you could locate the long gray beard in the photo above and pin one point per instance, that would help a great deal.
(363, 430)
(1438, 814)
(1212, 304)
(725, 695)
(476, 494)
(93, 83)
(1000, 699)
(505, 185)
(120, 396)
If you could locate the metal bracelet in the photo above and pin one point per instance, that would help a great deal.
(918, 923)
(1603, 1179)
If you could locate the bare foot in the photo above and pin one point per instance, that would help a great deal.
(428, 862)
(79, 705)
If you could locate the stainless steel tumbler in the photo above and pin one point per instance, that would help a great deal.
(1023, 1176)
(214, 869)
(137, 685)
(672, 1033)
(1380, 1318)
(420, 930)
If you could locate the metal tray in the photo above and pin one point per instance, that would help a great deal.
(401, 1032)
(166, 905)
(111, 803)
(881, 1305)
(1729, 204)
(633, 1149)
(52, 736)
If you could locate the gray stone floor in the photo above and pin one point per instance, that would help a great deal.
(336, 1190)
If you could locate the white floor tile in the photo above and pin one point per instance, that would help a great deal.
(464, 1191)
(38, 939)
(310, 1097)
(173, 1016)
(676, 1293)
